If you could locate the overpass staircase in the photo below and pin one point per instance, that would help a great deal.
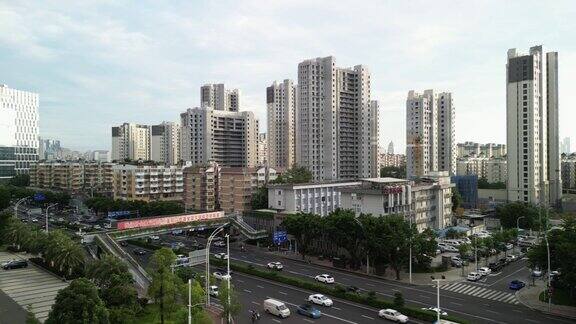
(245, 228)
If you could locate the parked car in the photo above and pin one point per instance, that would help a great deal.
(516, 285)
(154, 237)
(275, 265)
(139, 252)
(495, 266)
(353, 289)
(34, 220)
(15, 264)
(220, 244)
(221, 275)
(509, 246)
(213, 291)
(320, 299)
(436, 310)
(484, 271)
(393, 315)
(537, 273)
(123, 243)
(309, 310)
(325, 278)
(474, 276)
(276, 307)
(511, 258)
(221, 256)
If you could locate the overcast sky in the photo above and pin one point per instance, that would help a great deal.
(100, 63)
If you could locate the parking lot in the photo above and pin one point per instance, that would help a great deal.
(30, 286)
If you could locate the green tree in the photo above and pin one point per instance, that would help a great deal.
(260, 198)
(393, 172)
(456, 199)
(424, 247)
(346, 231)
(78, 303)
(165, 286)
(64, 254)
(30, 318)
(4, 198)
(16, 233)
(231, 308)
(305, 227)
(101, 271)
(20, 180)
(398, 300)
(484, 184)
(297, 174)
(35, 241)
(533, 217)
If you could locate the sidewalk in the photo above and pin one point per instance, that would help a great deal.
(420, 279)
(529, 297)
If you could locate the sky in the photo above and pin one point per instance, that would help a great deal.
(97, 64)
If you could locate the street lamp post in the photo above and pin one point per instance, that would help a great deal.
(410, 253)
(518, 228)
(228, 272)
(47, 208)
(190, 301)
(18, 204)
(208, 243)
(438, 295)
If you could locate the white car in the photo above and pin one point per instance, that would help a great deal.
(474, 276)
(34, 220)
(435, 310)
(484, 271)
(325, 278)
(220, 244)
(275, 265)
(393, 315)
(221, 276)
(154, 237)
(221, 256)
(213, 291)
(537, 273)
(320, 299)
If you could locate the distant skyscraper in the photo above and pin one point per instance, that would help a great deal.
(49, 149)
(217, 97)
(532, 127)
(337, 122)
(18, 131)
(566, 146)
(281, 106)
(165, 143)
(262, 149)
(391, 147)
(131, 141)
(430, 133)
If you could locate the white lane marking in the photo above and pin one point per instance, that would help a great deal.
(457, 304)
(261, 287)
(513, 273)
(282, 293)
(369, 284)
(368, 317)
(336, 308)
(309, 321)
(517, 311)
(248, 291)
(277, 321)
(324, 314)
(427, 297)
(531, 320)
(255, 303)
(491, 311)
(242, 281)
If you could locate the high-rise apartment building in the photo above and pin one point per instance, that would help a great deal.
(18, 131)
(131, 141)
(262, 149)
(430, 133)
(391, 148)
(489, 150)
(337, 132)
(49, 149)
(281, 116)
(217, 97)
(228, 138)
(532, 127)
(147, 182)
(565, 147)
(165, 143)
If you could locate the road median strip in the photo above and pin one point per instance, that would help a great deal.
(336, 291)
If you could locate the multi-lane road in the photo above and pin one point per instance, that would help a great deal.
(486, 301)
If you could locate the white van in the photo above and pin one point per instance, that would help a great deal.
(452, 242)
(276, 307)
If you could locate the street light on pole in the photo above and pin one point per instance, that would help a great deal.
(438, 296)
(47, 208)
(208, 243)
(518, 227)
(18, 204)
(228, 272)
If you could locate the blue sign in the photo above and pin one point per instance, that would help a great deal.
(114, 214)
(39, 196)
(279, 237)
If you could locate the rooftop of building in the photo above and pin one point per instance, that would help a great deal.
(385, 180)
(314, 184)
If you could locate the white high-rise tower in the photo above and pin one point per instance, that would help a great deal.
(281, 106)
(532, 127)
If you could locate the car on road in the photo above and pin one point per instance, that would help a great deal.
(220, 244)
(123, 243)
(34, 220)
(221, 256)
(495, 266)
(436, 310)
(221, 275)
(15, 264)
(393, 315)
(309, 310)
(213, 291)
(511, 258)
(474, 276)
(154, 237)
(537, 273)
(509, 246)
(276, 307)
(97, 227)
(320, 299)
(516, 285)
(325, 278)
(139, 252)
(484, 271)
(353, 289)
(275, 265)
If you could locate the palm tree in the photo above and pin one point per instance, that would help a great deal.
(16, 233)
(35, 241)
(71, 256)
(55, 240)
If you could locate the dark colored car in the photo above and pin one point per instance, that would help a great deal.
(123, 243)
(516, 285)
(353, 289)
(309, 310)
(15, 264)
(495, 266)
(139, 252)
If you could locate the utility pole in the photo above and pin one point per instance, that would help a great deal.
(190, 301)
(410, 254)
(50, 206)
(229, 278)
(208, 243)
(438, 296)
(18, 204)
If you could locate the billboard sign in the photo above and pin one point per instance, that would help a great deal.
(392, 190)
(39, 196)
(197, 257)
(279, 237)
(168, 220)
(117, 213)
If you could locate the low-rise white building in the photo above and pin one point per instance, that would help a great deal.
(317, 198)
(148, 182)
(426, 201)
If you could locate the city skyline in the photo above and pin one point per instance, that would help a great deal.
(101, 66)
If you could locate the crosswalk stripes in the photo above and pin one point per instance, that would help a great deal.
(481, 292)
